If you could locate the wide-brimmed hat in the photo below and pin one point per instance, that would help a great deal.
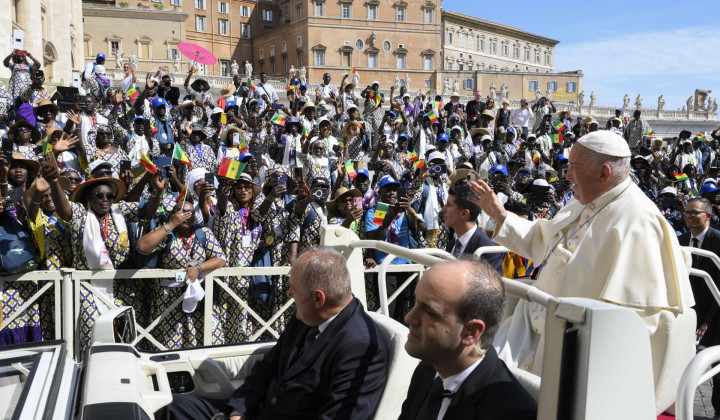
(588, 119)
(293, 121)
(227, 90)
(487, 113)
(232, 128)
(200, 84)
(308, 104)
(33, 165)
(349, 85)
(351, 125)
(199, 128)
(64, 184)
(115, 184)
(479, 130)
(459, 174)
(43, 103)
(49, 132)
(455, 93)
(339, 193)
(12, 132)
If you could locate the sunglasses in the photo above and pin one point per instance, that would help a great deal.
(108, 196)
(73, 179)
(25, 129)
(103, 133)
(100, 174)
(242, 186)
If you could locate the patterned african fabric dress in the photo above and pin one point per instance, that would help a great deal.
(355, 149)
(315, 167)
(309, 225)
(27, 151)
(235, 325)
(20, 79)
(179, 330)
(443, 235)
(126, 292)
(52, 240)
(27, 326)
(201, 156)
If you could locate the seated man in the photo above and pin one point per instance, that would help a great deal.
(458, 307)
(331, 362)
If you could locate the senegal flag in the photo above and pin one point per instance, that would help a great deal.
(350, 169)
(180, 155)
(231, 168)
(380, 213)
(413, 157)
(278, 119)
(559, 126)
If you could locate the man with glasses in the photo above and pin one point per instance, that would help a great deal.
(697, 218)
(265, 93)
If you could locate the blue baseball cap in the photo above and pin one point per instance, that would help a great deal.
(139, 117)
(230, 104)
(363, 171)
(560, 157)
(499, 168)
(387, 180)
(158, 101)
(303, 85)
(246, 155)
(295, 81)
(443, 136)
(708, 189)
(101, 55)
(403, 135)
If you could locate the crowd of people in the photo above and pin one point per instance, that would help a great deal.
(147, 174)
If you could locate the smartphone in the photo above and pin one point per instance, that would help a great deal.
(375, 166)
(277, 107)
(670, 202)
(563, 172)
(124, 166)
(437, 169)
(21, 52)
(497, 177)
(298, 173)
(38, 150)
(540, 191)
(17, 195)
(282, 180)
(521, 154)
(401, 192)
(236, 139)
(210, 179)
(358, 202)
(198, 97)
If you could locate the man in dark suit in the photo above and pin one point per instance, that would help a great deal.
(461, 215)
(458, 308)
(167, 91)
(697, 219)
(331, 362)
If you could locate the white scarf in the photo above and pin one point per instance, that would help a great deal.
(320, 213)
(139, 146)
(86, 125)
(423, 144)
(289, 140)
(94, 246)
(432, 210)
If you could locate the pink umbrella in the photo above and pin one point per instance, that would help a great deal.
(197, 53)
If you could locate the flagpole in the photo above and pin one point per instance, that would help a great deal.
(185, 196)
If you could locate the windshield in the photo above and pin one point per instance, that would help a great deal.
(15, 376)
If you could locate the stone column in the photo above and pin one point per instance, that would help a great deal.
(6, 28)
(29, 19)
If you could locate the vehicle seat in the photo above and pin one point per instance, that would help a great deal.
(400, 368)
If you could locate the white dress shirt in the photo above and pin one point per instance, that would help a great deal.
(464, 239)
(453, 383)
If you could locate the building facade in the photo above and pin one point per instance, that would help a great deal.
(382, 39)
(144, 33)
(502, 61)
(225, 28)
(52, 34)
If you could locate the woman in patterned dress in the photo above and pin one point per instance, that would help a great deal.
(25, 137)
(98, 223)
(21, 70)
(238, 227)
(179, 249)
(200, 155)
(344, 211)
(52, 240)
(354, 145)
(99, 147)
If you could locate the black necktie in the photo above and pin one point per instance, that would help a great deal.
(309, 339)
(695, 244)
(431, 407)
(458, 247)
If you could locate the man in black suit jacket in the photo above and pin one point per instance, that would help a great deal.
(458, 308)
(170, 93)
(461, 215)
(697, 218)
(331, 362)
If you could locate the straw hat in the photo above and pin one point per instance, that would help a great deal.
(352, 128)
(12, 132)
(43, 103)
(339, 193)
(227, 90)
(32, 165)
(30, 193)
(116, 185)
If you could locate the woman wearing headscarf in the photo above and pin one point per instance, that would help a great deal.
(229, 144)
(203, 195)
(99, 147)
(201, 155)
(192, 250)
(98, 221)
(238, 227)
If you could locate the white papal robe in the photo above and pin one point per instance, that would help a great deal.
(618, 249)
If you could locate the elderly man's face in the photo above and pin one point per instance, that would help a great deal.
(695, 217)
(584, 174)
(436, 333)
(326, 78)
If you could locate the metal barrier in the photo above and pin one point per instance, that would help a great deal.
(52, 279)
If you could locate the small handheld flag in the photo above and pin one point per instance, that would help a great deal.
(437, 104)
(559, 126)
(648, 133)
(223, 118)
(231, 168)
(413, 157)
(147, 163)
(289, 88)
(131, 92)
(556, 138)
(181, 196)
(278, 119)
(350, 169)
(419, 164)
(536, 158)
(47, 147)
(353, 70)
(701, 137)
(694, 192)
(180, 155)
(305, 133)
(432, 116)
(681, 176)
(380, 213)
(243, 146)
(250, 84)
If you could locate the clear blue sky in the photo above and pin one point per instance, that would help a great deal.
(634, 47)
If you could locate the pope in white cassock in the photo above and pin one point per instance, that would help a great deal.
(610, 243)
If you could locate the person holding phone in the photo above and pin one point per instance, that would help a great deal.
(430, 190)
(315, 159)
(311, 213)
(192, 250)
(203, 195)
(20, 79)
(672, 209)
(343, 210)
(201, 155)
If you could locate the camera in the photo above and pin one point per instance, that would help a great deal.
(320, 194)
(437, 169)
(375, 166)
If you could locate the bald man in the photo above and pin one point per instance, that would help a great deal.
(331, 361)
(458, 307)
(609, 243)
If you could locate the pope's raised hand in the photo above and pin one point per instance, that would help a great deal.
(488, 202)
